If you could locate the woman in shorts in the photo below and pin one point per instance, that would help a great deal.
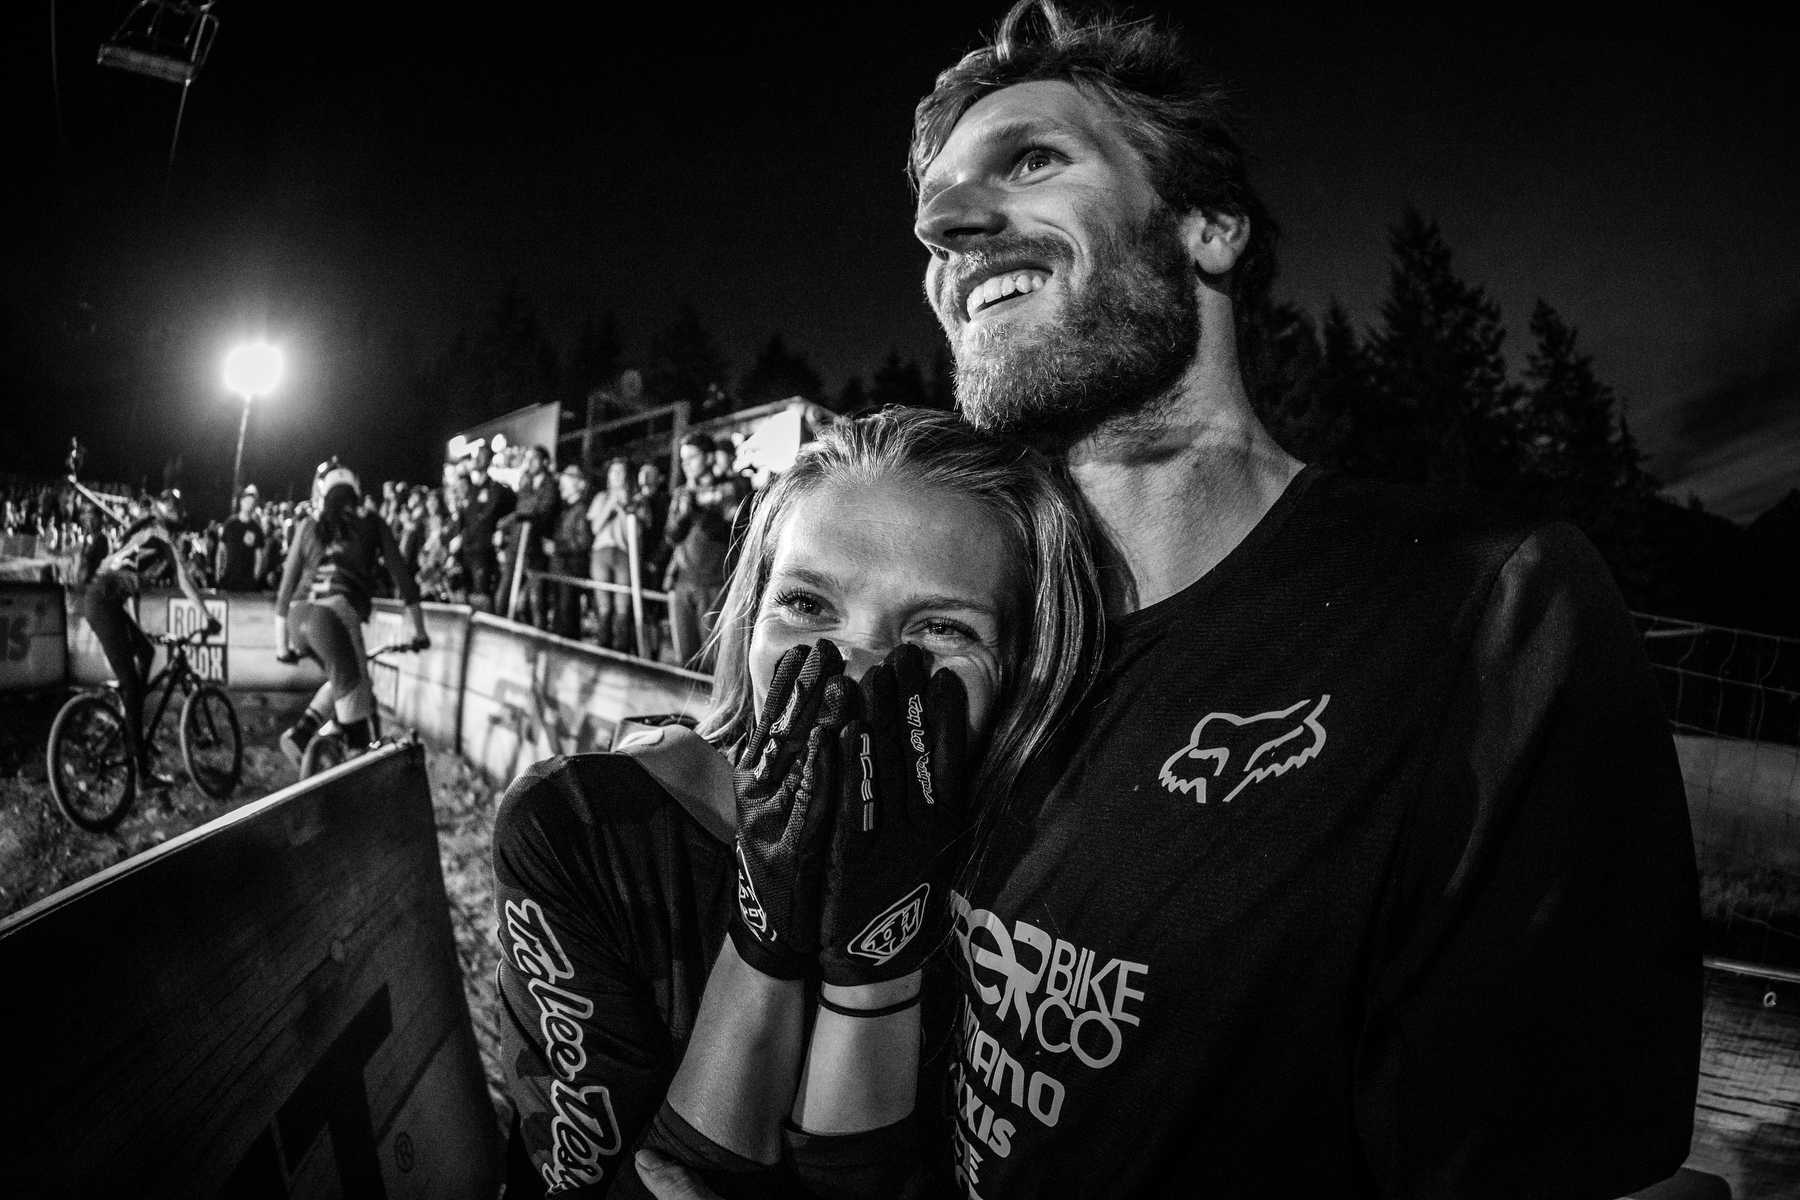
(914, 613)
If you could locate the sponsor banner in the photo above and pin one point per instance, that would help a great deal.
(33, 653)
(527, 695)
(185, 618)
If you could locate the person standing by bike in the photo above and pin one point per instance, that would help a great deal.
(332, 563)
(147, 549)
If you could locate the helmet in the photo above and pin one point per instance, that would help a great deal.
(329, 475)
(336, 476)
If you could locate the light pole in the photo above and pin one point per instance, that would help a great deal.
(251, 370)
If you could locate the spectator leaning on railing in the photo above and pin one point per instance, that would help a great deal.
(531, 524)
(488, 501)
(609, 561)
(698, 534)
(569, 549)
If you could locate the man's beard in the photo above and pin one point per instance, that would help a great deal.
(1120, 347)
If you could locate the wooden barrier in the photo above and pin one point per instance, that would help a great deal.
(422, 690)
(527, 695)
(267, 1006)
(33, 645)
(1747, 1116)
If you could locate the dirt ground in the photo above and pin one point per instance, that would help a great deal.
(41, 852)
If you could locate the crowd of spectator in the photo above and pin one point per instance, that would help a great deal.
(517, 548)
(464, 540)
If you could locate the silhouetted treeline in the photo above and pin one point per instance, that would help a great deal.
(1426, 395)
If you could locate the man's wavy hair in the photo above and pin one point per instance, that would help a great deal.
(1058, 610)
(1170, 110)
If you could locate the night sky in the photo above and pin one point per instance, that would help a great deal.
(399, 164)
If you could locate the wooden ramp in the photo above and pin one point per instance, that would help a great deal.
(267, 1006)
(1747, 1116)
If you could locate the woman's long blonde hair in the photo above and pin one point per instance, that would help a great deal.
(1059, 596)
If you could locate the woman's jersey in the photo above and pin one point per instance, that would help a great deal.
(345, 566)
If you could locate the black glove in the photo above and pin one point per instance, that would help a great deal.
(900, 813)
(212, 626)
(783, 787)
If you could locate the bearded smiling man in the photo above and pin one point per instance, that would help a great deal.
(1366, 868)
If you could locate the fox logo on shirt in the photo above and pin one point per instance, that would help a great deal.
(1235, 752)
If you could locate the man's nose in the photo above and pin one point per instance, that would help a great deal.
(952, 217)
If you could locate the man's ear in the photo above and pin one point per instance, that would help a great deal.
(1214, 240)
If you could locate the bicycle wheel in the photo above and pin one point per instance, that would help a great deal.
(325, 751)
(91, 772)
(210, 743)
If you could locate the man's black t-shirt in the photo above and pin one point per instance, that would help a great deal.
(489, 501)
(240, 543)
(1367, 872)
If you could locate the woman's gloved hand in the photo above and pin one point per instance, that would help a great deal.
(783, 786)
(901, 810)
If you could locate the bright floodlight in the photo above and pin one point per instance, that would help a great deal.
(253, 370)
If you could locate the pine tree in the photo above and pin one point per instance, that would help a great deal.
(852, 398)
(595, 360)
(897, 381)
(940, 389)
(778, 374)
(1444, 408)
(1280, 358)
(519, 361)
(1577, 449)
(685, 365)
(1341, 396)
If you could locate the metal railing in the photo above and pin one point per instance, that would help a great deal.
(1733, 701)
(522, 574)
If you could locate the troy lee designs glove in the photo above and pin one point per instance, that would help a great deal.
(900, 811)
(783, 788)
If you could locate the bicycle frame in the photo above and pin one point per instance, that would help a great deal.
(179, 673)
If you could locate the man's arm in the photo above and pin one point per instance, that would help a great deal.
(1533, 1025)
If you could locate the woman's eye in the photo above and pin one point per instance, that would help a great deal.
(941, 630)
(800, 604)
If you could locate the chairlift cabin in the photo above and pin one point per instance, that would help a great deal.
(163, 39)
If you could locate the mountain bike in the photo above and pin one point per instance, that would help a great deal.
(92, 774)
(328, 748)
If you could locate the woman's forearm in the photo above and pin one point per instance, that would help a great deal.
(737, 1079)
(861, 1073)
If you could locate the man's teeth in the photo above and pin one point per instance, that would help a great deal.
(1001, 286)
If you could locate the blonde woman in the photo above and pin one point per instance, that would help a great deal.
(699, 970)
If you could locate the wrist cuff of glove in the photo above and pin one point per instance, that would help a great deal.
(884, 1010)
(842, 974)
(770, 962)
